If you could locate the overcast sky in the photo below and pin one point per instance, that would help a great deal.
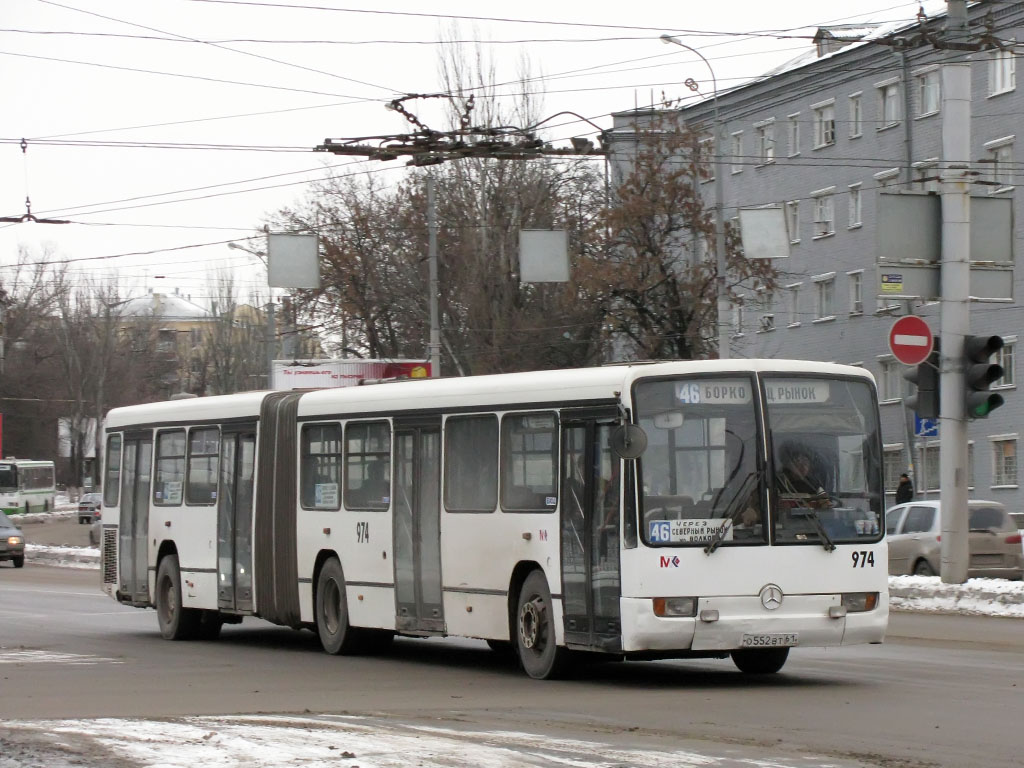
(163, 129)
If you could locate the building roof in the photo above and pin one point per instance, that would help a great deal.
(158, 305)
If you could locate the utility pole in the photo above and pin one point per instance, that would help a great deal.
(954, 313)
(434, 287)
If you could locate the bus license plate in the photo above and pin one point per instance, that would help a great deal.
(780, 640)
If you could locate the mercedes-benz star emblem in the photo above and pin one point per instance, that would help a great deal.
(771, 596)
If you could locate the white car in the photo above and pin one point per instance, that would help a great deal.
(914, 531)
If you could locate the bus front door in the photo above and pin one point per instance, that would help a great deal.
(417, 525)
(133, 528)
(234, 518)
(590, 533)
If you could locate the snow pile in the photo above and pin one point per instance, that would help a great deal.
(989, 597)
(70, 557)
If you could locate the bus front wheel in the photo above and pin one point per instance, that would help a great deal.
(760, 661)
(336, 634)
(539, 655)
(176, 622)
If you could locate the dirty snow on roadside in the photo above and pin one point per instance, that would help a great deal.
(338, 741)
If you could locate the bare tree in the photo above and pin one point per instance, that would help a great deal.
(664, 294)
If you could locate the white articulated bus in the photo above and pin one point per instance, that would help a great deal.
(26, 485)
(632, 510)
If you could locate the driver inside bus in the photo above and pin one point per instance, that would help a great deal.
(797, 479)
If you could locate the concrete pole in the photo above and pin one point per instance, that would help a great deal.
(721, 286)
(435, 326)
(955, 309)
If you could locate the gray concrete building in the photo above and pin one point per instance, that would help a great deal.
(826, 137)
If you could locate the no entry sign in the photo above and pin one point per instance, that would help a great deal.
(911, 340)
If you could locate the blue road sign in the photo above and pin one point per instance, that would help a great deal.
(925, 427)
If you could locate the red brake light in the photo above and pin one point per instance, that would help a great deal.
(939, 537)
(1013, 538)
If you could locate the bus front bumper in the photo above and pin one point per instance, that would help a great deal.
(731, 623)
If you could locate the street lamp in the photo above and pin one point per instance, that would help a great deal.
(720, 284)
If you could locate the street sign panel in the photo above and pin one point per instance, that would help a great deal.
(925, 427)
(911, 340)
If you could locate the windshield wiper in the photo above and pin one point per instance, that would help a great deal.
(739, 502)
(812, 514)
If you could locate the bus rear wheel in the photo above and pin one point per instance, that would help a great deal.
(760, 661)
(539, 655)
(176, 622)
(336, 634)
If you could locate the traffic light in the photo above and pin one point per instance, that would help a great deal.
(979, 374)
(925, 401)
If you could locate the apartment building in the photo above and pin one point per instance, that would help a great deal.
(824, 138)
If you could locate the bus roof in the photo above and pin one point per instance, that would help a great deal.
(578, 385)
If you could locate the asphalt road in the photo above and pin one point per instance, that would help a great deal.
(943, 691)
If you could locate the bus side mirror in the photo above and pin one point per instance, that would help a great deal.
(628, 441)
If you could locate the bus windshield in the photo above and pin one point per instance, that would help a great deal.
(699, 472)
(705, 480)
(8, 478)
(827, 459)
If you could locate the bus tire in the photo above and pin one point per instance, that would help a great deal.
(760, 661)
(176, 622)
(19, 561)
(336, 634)
(539, 655)
(46, 505)
(28, 509)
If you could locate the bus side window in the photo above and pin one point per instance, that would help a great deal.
(320, 469)
(169, 480)
(471, 463)
(203, 454)
(368, 465)
(529, 462)
(112, 471)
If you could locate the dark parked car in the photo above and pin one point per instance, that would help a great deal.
(89, 507)
(914, 533)
(12, 542)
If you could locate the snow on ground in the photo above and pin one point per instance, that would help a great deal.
(283, 741)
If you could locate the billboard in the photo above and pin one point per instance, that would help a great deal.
(316, 374)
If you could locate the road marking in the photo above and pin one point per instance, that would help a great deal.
(52, 657)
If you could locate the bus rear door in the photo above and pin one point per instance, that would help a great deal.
(417, 517)
(133, 552)
(234, 517)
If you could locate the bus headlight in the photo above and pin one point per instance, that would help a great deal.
(13, 541)
(675, 606)
(858, 602)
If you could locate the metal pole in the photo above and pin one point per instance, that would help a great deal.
(721, 286)
(271, 343)
(955, 310)
(434, 346)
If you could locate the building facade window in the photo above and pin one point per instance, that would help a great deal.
(1006, 357)
(736, 151)
(856, 116)
(888, 104)
(853, 205)
(929, 91)
(855, 284)
(793, 134)
(793, 305)
(1004, 460)
(824, 212)
(824, 124)
(706, 152)
(890, 384)
(1002, 71)
(825, 296)
(737, 318)
(793, 220)
(764, 138)
(999, 154)
(893, 465)
(930, 474)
